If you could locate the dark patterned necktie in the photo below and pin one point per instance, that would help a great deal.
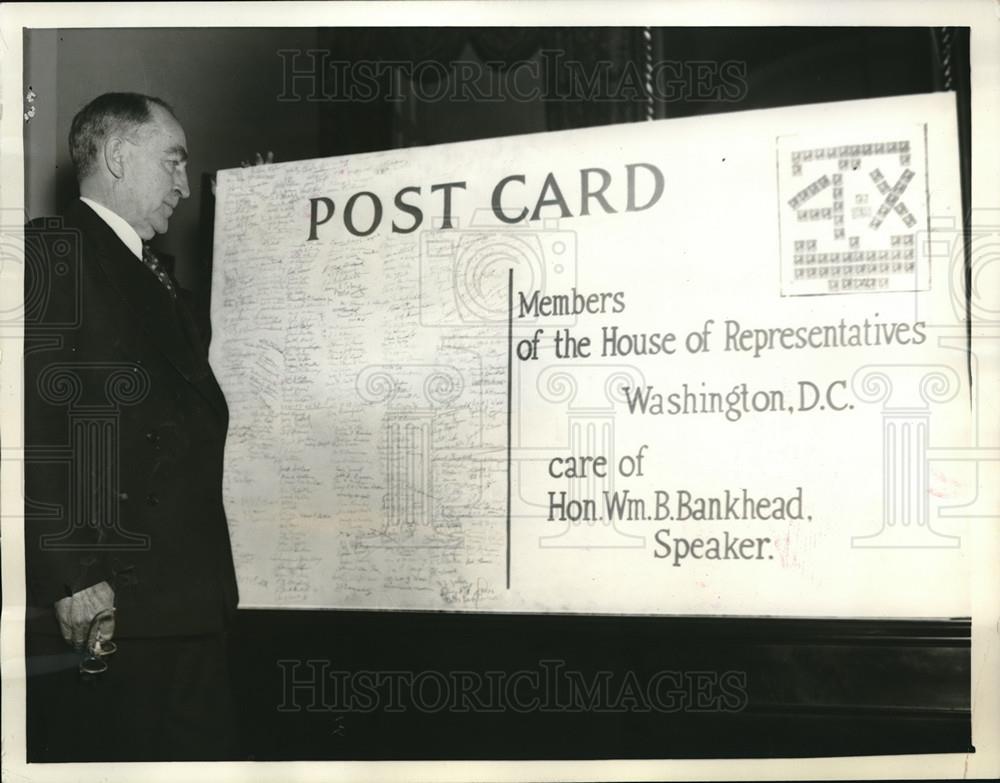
(153, 265)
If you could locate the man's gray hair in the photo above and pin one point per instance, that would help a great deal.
(113, 112)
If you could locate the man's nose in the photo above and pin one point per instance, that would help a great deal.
(181, 184)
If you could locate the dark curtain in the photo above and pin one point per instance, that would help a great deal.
(597, 76)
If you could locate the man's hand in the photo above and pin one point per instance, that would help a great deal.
(76, 612)
(259, 160)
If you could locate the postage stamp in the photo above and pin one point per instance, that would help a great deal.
(850, 213)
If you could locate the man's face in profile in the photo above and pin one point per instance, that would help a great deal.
(155, 173)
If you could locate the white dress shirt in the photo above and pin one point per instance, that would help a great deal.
(119, 225)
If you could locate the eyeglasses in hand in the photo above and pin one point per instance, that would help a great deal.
(99, 644)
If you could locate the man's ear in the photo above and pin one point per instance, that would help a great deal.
(114, 156)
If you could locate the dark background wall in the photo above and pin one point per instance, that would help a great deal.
(221, 82)
(809, 687)
(236, 94)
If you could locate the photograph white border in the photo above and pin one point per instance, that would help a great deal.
(983, 19)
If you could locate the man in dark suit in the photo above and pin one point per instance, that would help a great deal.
(125, 427)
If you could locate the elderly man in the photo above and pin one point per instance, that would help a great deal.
(125, 427)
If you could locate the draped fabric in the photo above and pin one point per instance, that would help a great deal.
(601, 75)
(500, 45)
(587, 76)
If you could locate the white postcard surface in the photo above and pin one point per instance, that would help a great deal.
(697, 366)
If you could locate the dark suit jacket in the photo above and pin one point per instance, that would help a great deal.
(124, 430)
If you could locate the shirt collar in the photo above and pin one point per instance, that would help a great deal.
(119, 225)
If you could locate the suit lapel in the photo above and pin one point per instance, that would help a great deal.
(162, 318)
